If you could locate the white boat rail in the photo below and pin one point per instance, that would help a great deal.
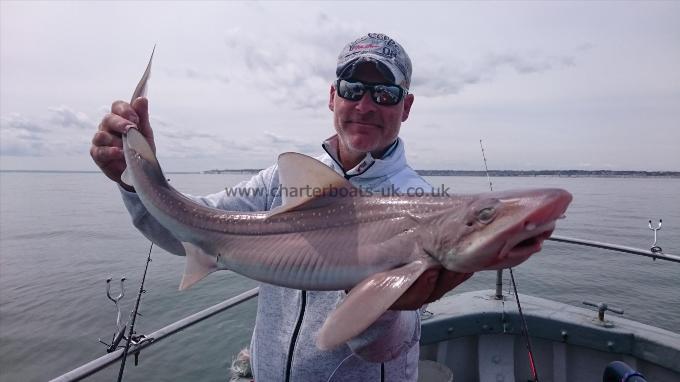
(617, 248)
(100, 363)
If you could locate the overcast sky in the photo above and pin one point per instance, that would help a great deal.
(546, 85)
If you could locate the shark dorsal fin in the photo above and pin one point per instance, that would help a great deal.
(308, 183)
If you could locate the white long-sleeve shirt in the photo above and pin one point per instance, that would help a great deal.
(282, 345)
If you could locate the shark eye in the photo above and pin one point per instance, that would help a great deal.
(486, 215)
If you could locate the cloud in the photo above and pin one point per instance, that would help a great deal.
(439, 77)
(296, 69)
(271, 141)
(300, 66)
(179, 144)
(21, 144)
(63, 116)
(524, 65)
(196, 74)
(21, 136)
(58, 132)
(15, 121)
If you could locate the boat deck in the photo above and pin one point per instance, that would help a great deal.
(479, 338)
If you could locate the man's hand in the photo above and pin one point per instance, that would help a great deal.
(430, 286)
(107, 143)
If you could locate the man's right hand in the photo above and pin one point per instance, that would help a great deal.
(107, 143)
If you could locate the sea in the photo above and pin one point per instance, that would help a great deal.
(63, 234)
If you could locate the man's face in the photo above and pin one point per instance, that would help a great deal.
(364, 126)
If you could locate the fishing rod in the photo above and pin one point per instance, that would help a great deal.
(133, 317)
(499, 285)
(119, 335)
(140, 91)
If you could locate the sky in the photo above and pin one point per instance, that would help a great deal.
(545, 85)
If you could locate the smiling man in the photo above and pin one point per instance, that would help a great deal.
(369, 100)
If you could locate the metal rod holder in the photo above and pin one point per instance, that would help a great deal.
(119, 334)
(655, 248)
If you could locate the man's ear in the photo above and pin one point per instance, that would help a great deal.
(408, 102)
(331, 98)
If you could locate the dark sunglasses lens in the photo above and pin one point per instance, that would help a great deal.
(381, 94)
(386, 95)
(351, 90)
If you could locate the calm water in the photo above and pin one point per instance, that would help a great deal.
(62, 235)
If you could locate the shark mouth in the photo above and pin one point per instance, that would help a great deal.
(521, 246)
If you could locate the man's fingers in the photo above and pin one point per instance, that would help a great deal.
(105, 154)
(446, 281)
(115, 124)
(141, 107)
(430, 286)
(125, 110)
(104, 138)
(107, 142)
(413, 298)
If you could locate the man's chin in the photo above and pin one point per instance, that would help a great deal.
(363, 144)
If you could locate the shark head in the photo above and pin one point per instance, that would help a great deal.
(499, 230)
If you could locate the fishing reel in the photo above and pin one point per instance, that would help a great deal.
(119, 334)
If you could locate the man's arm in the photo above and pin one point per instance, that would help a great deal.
(249, 195)
(398, 329)
(107, 153)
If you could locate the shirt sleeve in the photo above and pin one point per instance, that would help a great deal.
(392, 335)
(255, 194)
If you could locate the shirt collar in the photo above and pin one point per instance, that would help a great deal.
(331, 147)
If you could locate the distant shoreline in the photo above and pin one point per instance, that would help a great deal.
(516, 173)
(83, 172)
(556, 173)
(492, 173)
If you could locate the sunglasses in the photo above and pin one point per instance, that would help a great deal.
(382, 94)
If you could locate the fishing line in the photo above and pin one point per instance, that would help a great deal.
(525, 329)
(133, 317)
(485, 167)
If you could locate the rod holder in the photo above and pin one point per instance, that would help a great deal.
(655, 248)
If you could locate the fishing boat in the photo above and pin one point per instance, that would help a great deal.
(493, 335)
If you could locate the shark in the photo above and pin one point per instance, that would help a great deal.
(330, 235)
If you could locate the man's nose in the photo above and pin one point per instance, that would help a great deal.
(365, 104)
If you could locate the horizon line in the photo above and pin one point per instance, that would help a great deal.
(254, 170)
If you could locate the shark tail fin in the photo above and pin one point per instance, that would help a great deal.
(140, 90)
(366, 302)
(198, 265)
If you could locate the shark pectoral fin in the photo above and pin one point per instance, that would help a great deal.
(126, 178)
(366, 302)
(199, 264)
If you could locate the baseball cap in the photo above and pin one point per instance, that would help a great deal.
(390, 58)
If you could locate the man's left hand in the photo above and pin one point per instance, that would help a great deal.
(430, 286)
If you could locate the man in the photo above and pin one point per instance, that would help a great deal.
(369, 101)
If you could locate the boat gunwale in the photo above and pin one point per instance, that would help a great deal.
(478, 313)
